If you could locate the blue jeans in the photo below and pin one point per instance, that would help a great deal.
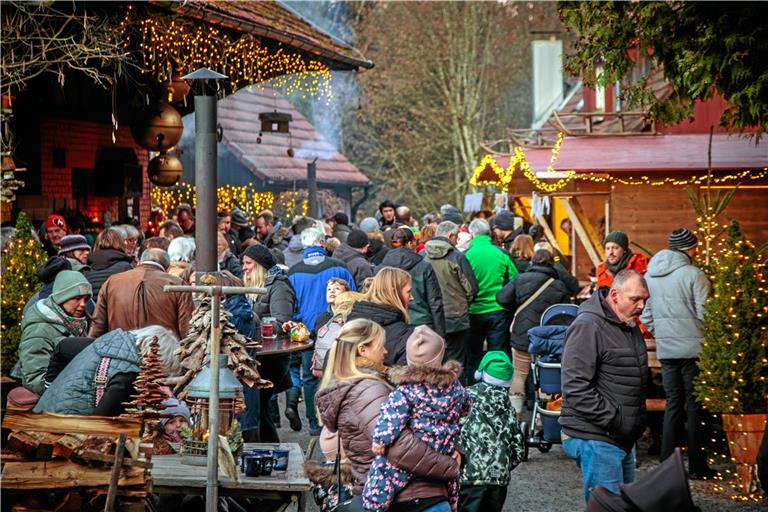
(601, 463)
(443, 506)
(310, 383)
(493, 327)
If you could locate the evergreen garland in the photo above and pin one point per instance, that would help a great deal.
(19, 283)
(734, 356)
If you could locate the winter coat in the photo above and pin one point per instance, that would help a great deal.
(242, 317)
(356, 263)
(341, 231)
(231, 263)
(521, 264)
(309, 279)
(458, 285)
(75, 390)
(234, 242)
(604, 376)
(493, 269)
(41, 330)
(491, 439)
(546, 340)
(517, 291)
(294, 252)
(395, 328)
(427, 305)
(279, 300)
(277, 238)
(675, 309)
(376, 251)
(430, 401)
(352, 408)
(135, 299)
(105, 263)
(637, 261)
(570, 282)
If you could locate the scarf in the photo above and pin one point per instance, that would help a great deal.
(76, 326)
(363, 363)
(620, 265)
(276, 271)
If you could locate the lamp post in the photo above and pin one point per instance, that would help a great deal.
(205, 166)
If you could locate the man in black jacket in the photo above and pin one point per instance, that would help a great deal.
(604, 380)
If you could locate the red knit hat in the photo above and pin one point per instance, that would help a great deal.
(55, 221)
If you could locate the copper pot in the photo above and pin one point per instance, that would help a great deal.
(164, 170)
(158, 127)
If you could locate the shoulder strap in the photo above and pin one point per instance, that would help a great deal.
(534, 296)
(100, 379)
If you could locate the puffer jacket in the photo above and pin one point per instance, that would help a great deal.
(491, 439)
(41, 330)
(391, 319)
(279, 300)
(458, 285)
(517, 291)
(604, 376)
(74, 390)
(675, 309)
(637, 261)
(352, 408)
(105, 263)
(427, 305)
(358, 266)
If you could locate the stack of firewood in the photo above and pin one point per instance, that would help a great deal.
(193, 350)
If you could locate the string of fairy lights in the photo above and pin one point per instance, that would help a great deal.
(167, 45)
(246, 197)
(490, 173)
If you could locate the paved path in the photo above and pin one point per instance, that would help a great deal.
(551, 482)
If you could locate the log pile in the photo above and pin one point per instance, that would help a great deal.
(74, 455)
(193, 349)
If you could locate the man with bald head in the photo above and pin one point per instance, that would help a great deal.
(403, 216)
(604, 377)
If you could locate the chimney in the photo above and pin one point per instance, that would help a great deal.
(547, 59)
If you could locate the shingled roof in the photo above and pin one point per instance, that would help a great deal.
(269, 160)
(271, 21)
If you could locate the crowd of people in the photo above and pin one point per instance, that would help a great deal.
(420, 362)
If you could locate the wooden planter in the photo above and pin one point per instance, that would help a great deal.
(745, 432)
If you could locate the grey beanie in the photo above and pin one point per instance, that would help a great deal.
(369, 225)
(682, 239)
(174, 408)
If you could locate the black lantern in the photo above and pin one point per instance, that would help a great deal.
(275, 122)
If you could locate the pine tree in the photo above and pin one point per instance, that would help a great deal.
(19, 283)
(147, 403)
(734, 355)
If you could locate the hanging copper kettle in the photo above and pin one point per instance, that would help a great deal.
(158, 127)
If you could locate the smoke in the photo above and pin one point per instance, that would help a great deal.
(327, 116)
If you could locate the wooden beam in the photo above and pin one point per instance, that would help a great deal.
(112, 494)
(590, 229)
(581, 231)
(69, 424)
(548, 233)
(62, 474)
(518, 202)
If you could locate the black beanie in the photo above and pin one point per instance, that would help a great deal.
(261, 255)
(357, 239)
(619, 238)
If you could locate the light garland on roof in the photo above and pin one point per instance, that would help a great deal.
(167, 44)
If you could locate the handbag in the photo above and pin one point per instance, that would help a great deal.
(529, 300)
(346, 501)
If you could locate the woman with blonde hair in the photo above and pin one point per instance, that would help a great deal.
(386, 303)
(349, 400)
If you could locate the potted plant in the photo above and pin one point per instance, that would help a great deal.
(734, 355)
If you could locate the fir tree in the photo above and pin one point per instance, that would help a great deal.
(147, 403)
(19, 283)
(734, 356)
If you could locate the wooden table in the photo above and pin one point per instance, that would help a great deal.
(170, 476)
(281, 344)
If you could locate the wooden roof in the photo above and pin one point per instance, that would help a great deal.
(270, 20)
(644, 153)
(239, 118)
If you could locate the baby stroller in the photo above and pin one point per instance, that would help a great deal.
(545, 344)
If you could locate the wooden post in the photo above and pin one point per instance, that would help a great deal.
(109, 506)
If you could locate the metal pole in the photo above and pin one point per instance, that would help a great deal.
(205, 182)
(212, 482)
(312, 187)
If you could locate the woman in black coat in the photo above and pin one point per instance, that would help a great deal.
(386, 304)
(258, 423)
(513, 296)
(107, 259)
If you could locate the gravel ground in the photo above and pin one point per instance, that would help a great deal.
(551, 482)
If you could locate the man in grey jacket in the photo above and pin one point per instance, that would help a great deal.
(604, 377)
(673, 315)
